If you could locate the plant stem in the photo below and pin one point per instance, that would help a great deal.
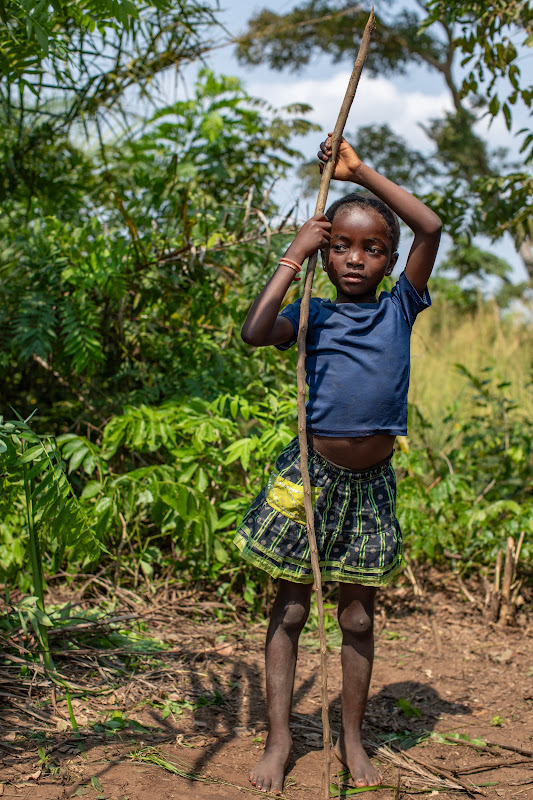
(74, 724)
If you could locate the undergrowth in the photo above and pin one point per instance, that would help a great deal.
(160, 489)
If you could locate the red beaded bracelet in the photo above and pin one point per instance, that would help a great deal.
(286, 262)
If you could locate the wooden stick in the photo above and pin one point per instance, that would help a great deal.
(489, 766)
(302, 430)
(518, 551)
(469, 596)
(505, 611)
(411, 575)
(495, 596)
(398, 785)
(511, 747)
(446, 773)
(498, 570)
(436, 635)
(480, 748)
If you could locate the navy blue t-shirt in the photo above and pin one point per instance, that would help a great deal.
(358, 361)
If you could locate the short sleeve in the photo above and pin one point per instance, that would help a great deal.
(292, 312)
(408, 298)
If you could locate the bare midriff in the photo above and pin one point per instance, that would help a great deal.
(355, 452)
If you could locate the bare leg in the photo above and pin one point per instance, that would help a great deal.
(356, 619)
(288, 617)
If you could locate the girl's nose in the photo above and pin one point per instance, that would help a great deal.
(355, 257)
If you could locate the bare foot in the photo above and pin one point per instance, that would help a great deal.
(353, 757)
(269, 773)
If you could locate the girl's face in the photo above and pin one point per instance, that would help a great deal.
(360, 254)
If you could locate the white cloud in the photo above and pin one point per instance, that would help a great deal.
(497, 135)
(378, 100)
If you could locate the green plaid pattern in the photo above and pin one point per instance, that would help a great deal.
(358, 536)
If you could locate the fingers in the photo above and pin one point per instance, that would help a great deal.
(324, 154)
(321, 223)
(314, 234)
(320, 229)
(325, 150)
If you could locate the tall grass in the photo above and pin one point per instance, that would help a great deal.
(480, 339)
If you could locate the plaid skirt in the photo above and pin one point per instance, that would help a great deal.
(358, 536)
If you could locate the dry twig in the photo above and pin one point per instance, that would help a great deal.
(512, 748)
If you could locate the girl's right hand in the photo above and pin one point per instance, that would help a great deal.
(314, 235)
(348, 162)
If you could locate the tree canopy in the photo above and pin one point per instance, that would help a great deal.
(33, 31)
(79, 60)
(474, 190)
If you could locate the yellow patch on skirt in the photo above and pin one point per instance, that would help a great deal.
(288, 498)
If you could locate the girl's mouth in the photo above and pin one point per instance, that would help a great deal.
(353, 278)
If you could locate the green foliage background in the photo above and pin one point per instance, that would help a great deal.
(128, 263)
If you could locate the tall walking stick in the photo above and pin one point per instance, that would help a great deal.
(302, 432)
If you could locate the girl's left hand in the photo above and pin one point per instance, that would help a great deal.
(348, 162)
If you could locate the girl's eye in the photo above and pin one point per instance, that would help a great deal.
(338, 247)
(375, 251)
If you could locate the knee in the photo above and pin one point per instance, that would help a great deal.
(355, 621)
(293, 617)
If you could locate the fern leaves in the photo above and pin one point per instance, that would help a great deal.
(35, 326)
(81, 343)
(33, 472)
(36, 330)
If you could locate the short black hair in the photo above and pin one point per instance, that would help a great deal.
(368, 200)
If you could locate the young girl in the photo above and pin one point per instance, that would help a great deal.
(357, 370)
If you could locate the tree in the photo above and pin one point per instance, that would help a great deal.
(31, 32)
(486, 38)
(477, 191)
(137, 266)
(76, 62)
(129, 257)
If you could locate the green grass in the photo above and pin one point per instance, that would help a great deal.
(444, 337)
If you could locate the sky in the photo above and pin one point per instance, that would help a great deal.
(405, 102)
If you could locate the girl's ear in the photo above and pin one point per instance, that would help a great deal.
(392, 263)
(324, 256)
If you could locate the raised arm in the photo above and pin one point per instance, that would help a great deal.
(263, 326)
(424, 223)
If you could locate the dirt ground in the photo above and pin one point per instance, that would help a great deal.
(441, 671)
